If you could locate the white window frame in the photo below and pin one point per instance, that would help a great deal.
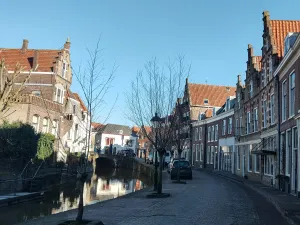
(292, 88)
(224, 127)
(251, 89)
(196, 134)
(248, 122)
(201, 152)
(272, 109)
(217, 132)
(230, 126)
(59, 99)
(64, 69)
(212, 152)
(55, 127)
(208, 134)
(36, 125)
(208, 155)
(265, 113)
(45, 128)
(255, 127)
(212, 133)
(284, 99)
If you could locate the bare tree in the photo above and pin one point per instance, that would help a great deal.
(95, 83)
(9, 94)
(155, 90)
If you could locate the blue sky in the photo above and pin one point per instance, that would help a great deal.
(213, 35)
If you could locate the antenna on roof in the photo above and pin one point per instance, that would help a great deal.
(227, 88)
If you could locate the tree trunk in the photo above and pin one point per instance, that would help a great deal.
(178, 169)
(159, 183)
(80, 205)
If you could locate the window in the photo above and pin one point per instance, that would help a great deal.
(198, 157)
(59, 97)
(200, 133)
(208, 133)
(227, 104)
(76, 132)
(70, 134)
(268, 164)
(45, 125)
(237, 126)
(238, 158)
(64, 70)
(241, 123)
(54, 127)
(284, 100)
(239, 100)
(74, 109)
(250, 159)
(272, 109)
(292, 95)
(224, 127)
(251, 89)
(255, 120)
(216, 132)
(264, 114)
(212, 133)
(230, 126)
(205, 101)
(248, 122)
(35, 122)
(201, 152)
(212, 153)
(295, 138)
(208, 155)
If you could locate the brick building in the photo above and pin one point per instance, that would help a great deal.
(44, 99)
(213, 138)
(199, 100)
(258, 109)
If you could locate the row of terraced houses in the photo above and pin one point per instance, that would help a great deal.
(251, 130)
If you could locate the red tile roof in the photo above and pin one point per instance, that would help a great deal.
(216, 95)
(257, 62)
(138, 129)
(280, 29)
(82, 105)
(46, 58)
(97, 125)
(70, 94)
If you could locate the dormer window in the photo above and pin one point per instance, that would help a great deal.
(64, 69)
(205, 101)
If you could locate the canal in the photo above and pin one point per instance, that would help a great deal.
(103, 184)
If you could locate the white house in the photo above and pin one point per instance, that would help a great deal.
(76, 114)
(119, 136)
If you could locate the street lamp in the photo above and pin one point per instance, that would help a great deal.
(155, 124)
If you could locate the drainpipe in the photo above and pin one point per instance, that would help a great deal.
(278, 126)
(204, 146)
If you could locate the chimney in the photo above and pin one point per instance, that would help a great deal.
(250, 51)
(67, 45)
(25, 45)
(266, 18)
(35, 60)
(239, 80)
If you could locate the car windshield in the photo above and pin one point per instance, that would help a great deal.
(183, 164)
(167, 154)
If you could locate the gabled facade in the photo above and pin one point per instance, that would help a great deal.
(199, 100)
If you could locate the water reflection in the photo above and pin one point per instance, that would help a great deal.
(101, 185)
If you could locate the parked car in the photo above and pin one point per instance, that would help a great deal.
(171, 163)
(184, 167)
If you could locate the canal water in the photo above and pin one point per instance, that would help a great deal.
(102, 185)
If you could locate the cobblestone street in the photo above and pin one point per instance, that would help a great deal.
(207, 199)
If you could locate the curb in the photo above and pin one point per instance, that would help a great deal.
(285, 213)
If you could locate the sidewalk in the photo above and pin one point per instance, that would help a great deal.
(286, 204)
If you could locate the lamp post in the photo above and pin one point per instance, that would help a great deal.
(155, 124)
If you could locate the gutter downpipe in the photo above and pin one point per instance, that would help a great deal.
(278, 130)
